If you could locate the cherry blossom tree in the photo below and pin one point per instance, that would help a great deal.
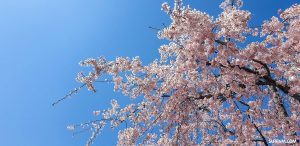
(209, 86)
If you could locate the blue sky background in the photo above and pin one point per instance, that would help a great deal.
(41, 43)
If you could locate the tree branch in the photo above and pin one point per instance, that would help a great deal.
(260, 133)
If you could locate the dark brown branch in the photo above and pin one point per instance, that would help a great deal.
(221, 42)
(280, 102)
(264, 65)
(243, 103)
(285, 89)
(202, 96)
(224, 127)
(260, 133)
(267, 78)
(296, 96)
(257, 129)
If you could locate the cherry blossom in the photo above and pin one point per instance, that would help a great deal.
(205, 89)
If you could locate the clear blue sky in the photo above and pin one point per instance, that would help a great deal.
(41, 43)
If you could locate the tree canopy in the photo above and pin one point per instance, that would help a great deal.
(210, 84)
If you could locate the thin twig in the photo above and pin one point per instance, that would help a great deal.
(69, 94)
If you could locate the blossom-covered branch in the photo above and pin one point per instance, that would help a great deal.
(205, 88)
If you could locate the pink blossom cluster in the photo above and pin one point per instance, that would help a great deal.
(205, 89)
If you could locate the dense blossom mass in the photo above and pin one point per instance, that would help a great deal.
(209, 86)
